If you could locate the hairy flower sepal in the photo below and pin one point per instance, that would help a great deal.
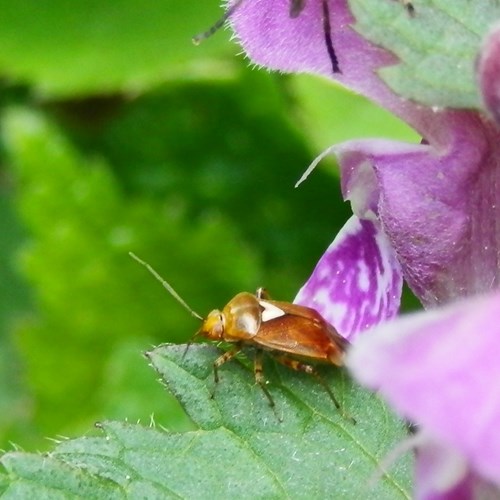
(440, 370)
(273, 39)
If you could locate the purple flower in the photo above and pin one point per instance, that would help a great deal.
(357, 283)
(428, 212)
(275, 40)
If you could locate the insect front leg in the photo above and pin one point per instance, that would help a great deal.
(224, 358)
(262, 293)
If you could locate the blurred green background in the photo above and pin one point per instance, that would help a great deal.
(118, 135)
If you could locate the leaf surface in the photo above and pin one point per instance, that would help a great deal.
(437, 46)
(241, 449)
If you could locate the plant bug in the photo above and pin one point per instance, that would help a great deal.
(293, 335)
(295, 9)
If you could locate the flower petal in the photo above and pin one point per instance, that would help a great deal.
(444, 474)
(439, 206)
(357, 282)
(441, 472)
(440, 369)
(272, 38)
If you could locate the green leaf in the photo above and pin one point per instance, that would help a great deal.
(437, 47)
(306, 447)
(242, 450)
(38, 476)
(128, 384)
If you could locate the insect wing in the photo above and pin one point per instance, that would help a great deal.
(311, 314)
(299, 331)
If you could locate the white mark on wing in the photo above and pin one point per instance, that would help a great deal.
(270, 311)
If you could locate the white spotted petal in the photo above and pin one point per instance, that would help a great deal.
(357, 282)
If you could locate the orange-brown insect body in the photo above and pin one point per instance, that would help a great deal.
(294, 335)
(276, 326)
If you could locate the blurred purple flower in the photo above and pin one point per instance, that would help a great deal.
(446, 361)
(429, 212)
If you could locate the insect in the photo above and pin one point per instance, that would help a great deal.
(294, 335)
(296, 8)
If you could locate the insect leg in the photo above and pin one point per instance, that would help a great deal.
(303, 367)
(259, 378)
(259, 375)
(188, 345)
(262, 293)
(309, 369)
(224, 358)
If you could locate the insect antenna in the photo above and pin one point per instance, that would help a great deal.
(167, 286)
(197, 39)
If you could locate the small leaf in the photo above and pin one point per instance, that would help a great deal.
(437, 46)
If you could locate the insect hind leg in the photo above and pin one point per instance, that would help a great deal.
(259, 376)
(310, 370)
